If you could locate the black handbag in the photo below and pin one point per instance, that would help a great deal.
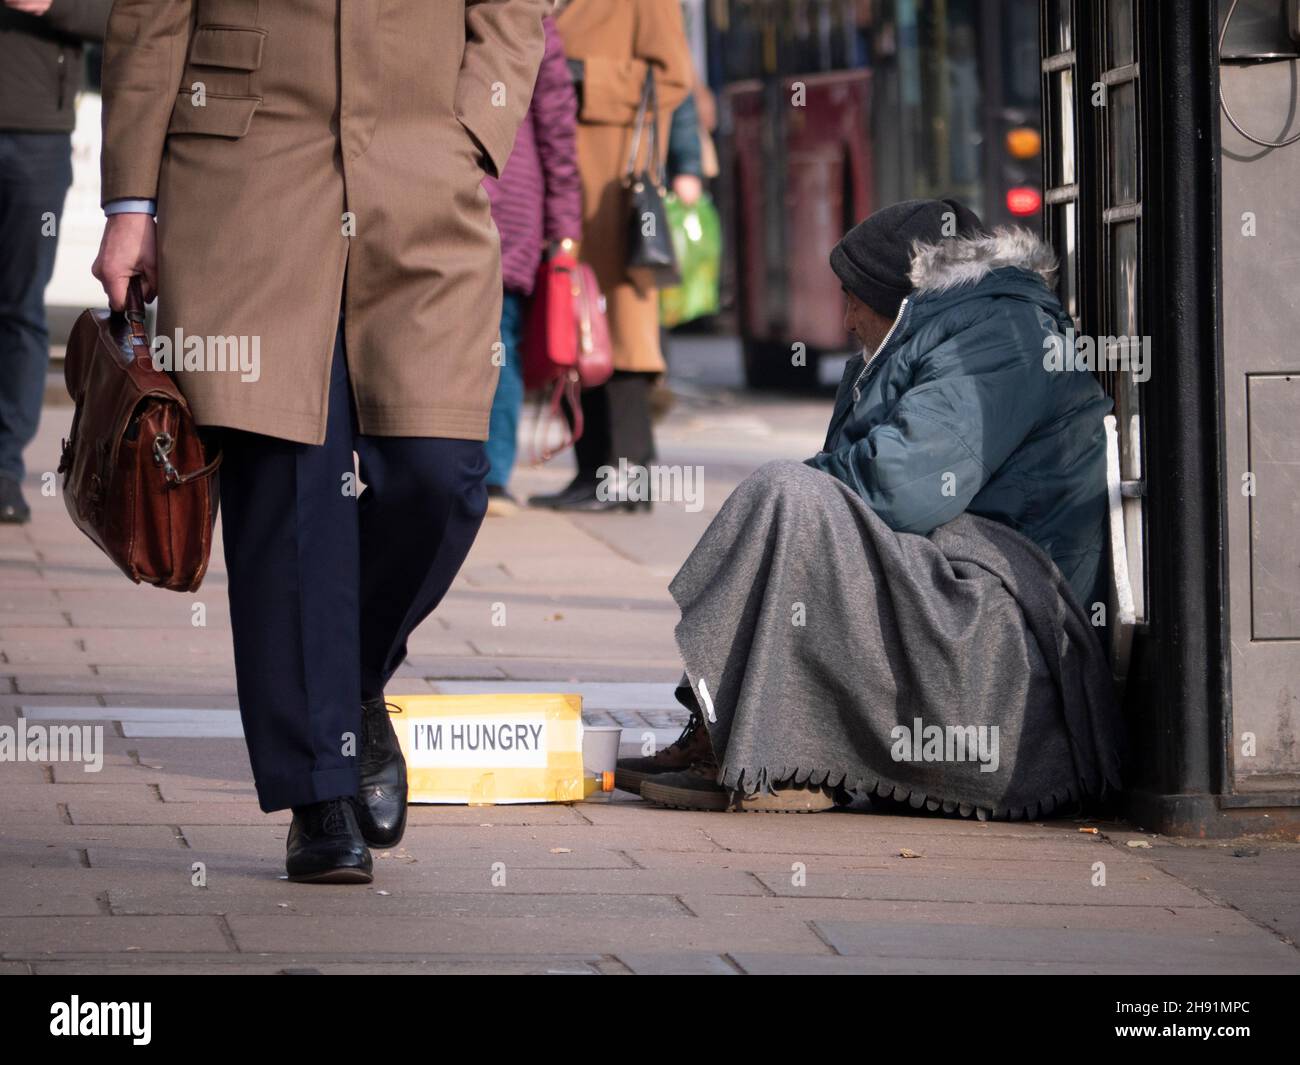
(650, 255)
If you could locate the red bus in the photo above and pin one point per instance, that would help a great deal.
(832, 108)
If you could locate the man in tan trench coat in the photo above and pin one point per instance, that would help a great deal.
(329, 281)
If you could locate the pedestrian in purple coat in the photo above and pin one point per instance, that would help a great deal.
(537, 207)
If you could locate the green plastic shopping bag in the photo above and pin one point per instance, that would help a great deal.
(697, 240)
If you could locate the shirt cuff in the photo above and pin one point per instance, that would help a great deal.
(131, 207)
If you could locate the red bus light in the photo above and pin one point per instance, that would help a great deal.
(1024, 200)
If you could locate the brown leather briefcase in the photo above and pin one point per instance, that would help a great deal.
(136, 479)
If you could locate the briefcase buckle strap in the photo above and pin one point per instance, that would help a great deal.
(162, 448)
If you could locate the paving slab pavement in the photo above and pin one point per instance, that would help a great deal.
(162, 863)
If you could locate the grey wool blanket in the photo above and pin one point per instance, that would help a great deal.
(954, 671)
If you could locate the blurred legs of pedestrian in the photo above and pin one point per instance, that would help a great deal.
(616, 426)
(35, 173)
(503, 426)
(662, 396)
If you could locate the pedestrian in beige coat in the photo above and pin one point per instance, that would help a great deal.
(315, 169)
(610, 45)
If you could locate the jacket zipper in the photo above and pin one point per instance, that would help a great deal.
(857, 393)
(857, 389)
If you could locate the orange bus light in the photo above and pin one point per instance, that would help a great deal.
(1023, 142)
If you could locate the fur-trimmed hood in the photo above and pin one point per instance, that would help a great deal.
(957, 261)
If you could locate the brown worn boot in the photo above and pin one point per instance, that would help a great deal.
(697, 788)
(690, 747)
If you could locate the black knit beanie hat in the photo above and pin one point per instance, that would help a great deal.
(874, 258)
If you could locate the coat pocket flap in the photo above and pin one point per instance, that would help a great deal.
(220, 116)
(233, 47)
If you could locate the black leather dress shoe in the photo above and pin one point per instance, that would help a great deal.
(325, 845)
(381, 802)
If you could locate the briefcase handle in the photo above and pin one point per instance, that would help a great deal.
(133, 314)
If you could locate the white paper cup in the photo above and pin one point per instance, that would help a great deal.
(600, 751)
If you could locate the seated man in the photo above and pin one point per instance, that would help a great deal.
(909, 613)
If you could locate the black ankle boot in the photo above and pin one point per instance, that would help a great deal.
(381, 802)
(581, 487)
(13, 507)
(585, 496)
(325, 845)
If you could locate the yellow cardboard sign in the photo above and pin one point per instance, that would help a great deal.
(491, 749)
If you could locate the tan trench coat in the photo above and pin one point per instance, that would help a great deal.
(291, 142)
(616, 40)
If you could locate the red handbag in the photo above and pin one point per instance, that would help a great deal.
(566, 345)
